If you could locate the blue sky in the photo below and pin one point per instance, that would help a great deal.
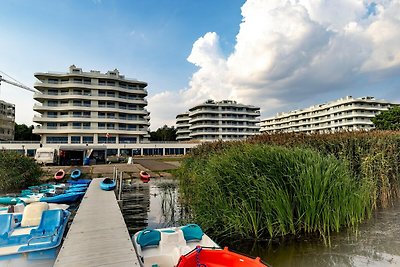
(278, 55)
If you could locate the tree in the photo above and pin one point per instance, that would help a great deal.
(24, 133)
(388, 119)
(164, 133)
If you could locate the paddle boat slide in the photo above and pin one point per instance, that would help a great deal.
(36, 233)
(164, 247)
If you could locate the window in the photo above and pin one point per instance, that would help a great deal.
(87, 139)
(51, 114)
(51, 125)
(52, 92)
(77, 114)
(57, 139)
(52, 103)
(110, 140)
(75, 139)
(77, 103)
(127, 139)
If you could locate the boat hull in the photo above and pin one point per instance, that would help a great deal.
(33, 242)
(75, 174)
(108, 184)
(144, 176)
(216, 257)
(59, 174)
(67, 198)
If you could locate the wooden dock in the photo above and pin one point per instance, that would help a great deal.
(98, 235)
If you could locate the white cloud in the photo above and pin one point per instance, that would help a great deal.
(297, 51)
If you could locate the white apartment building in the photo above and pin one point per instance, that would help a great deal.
(344, 114)
(224, 120)
(90, 108)
(182, 127)
(7, 121)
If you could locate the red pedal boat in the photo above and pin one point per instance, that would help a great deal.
(216, 257)
(59, 174)
(144, 176)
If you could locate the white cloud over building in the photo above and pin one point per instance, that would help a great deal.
(290, 52)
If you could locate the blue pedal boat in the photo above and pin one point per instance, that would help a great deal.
(75, 174)
(107, 184)
(35, 234)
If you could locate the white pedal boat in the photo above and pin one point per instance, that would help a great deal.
(163, 247)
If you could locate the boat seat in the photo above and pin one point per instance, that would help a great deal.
(33, 213)
(192, 232)
(50, 222)
(148, 237)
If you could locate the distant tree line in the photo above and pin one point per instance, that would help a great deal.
(164, 133)
(24, 133)
(388, 119)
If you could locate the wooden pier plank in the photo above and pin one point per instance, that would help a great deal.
(98, 235)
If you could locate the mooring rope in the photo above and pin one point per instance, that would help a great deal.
(198, 250)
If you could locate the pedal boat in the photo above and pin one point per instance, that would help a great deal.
(164, 247)
(217, 257)
(36, 233)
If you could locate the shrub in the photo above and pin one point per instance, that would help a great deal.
(17, 171)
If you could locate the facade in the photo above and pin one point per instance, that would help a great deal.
(224, 120)
(344, 114)
(182, 127)
(7, 121)
(90, 108)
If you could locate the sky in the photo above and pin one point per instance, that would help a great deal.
(275, 54)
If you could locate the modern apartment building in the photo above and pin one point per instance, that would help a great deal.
(90, 108)
(182, 127)
(7, 121)
(344, 114)
(224, 120)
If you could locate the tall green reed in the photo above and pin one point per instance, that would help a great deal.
(262, 191)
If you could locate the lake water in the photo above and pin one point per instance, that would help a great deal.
(376, 243)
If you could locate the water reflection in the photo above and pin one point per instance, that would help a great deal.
(376, 242)
(153, 204)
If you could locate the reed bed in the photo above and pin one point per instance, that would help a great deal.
(290, 184)
(264, 191)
